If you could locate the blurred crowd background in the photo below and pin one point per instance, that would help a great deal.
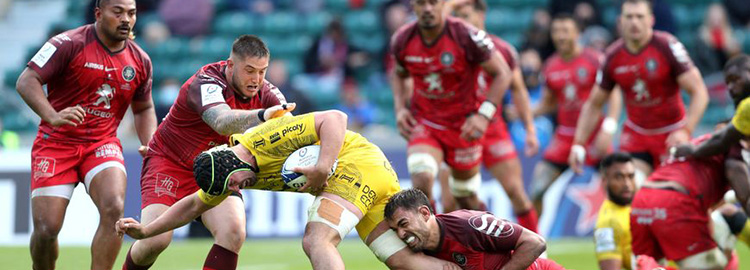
(333, 53)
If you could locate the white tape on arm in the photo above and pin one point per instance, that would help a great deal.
(579, 151)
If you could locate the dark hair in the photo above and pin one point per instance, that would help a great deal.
(250, 45)
(618, 157)
(480, 5)
(410, 199)
(212, 169)
(741, 60)
(649, 3)
(567, 16)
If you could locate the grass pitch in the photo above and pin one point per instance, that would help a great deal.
(287, 254)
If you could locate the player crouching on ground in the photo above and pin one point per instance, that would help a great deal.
(471, 239)
(353, 197)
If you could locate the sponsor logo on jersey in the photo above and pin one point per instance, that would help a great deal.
(274, 137)
(447, 58)
(128, 73)
(60, 38)
(211, 93)
(300, 128)
(434, 83)
(93, 66)
(582, 74)
(44, 167)
(651, 65)
(259, 143)
(109, 69)
(641, 92)
(109, 151)
(459, 258)
(99, 113)
(570, 92)
(106, 93)
(166, 185)
(490, 225)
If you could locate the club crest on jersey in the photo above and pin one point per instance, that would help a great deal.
(459, 258)
(106, 93)
(128, 73)
(447, 59)
(582, 74)
(651, 65)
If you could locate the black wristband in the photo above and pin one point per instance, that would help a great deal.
(260, 115)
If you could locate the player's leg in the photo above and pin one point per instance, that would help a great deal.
(143, 253)
(545, 173)
(48, 212)
(52, 184)
(107, 191)
(508, 172)
(644, 240)
(423, 163)
(330, 218)
(446, 197)
(226, 222)
(465, 185)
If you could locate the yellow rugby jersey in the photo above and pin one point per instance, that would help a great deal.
(612, 233)
(273, 141)
(741, 118)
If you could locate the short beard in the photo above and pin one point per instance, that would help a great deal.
(621, 201)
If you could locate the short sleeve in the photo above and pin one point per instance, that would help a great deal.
(677, 56)
(509, 53)
(53, 57)
(488, 233)
(212, 200)
(477, 43)
(606, 244)
(272, 96)
(603, 75)
(143, 93)
(204, 93)
(396, 45)
(741, 119)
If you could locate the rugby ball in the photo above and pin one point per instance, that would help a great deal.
(303, 157)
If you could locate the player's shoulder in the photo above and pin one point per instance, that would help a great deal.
(471, 221)
(614, 48)
(76, 38)
(138, 52)
(744, 107)
(460, 29)
(592, 55)
(662, 38)
(403, 34)
(212, 73)
(552, 61)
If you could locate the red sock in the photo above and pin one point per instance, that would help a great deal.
(130, 265)
(528, 219)
(734, 262)
(220, 258)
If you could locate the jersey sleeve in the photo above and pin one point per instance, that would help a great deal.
(279, 137)
(606, 235)
(212, 200)
(741, 118)
(205, 92)
(396, 45)
(477, 43)
(490, 234)
(54, 56)
(143, 93)
(677, 56)
(604, 75)
(509, 53)
(272, 96)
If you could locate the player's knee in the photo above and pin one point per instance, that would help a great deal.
(47, 231)
(231, 238)
(112, 209)
(154, 245)
(422, 165)
(312, 241)
(710, 259)
(465, 187)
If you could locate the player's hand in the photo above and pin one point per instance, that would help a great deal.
(69, 116)
(131, 227)
(317, 178)
(143, 150)
(474, 127)
(576, 158)
(279, 110)
(405, 122)
(681, 151)
(677, 137)
(532, 144)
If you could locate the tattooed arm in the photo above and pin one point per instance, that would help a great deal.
(226, 121)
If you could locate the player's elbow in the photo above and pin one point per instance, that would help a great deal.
(539, 244)
(25, 81)
(336, 116)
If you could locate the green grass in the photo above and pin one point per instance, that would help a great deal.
(282, 254)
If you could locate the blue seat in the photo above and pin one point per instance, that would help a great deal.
(280, 23)
(315, 23)
(361, 21)
(236, 23)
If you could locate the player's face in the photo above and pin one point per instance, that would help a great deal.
(620, 179)
(240, 180)
(469, 14)
(636, 21)
(116, 18)
(737, 79)
(411, 227)
(564, 35)
(247, 74)
(429, 12)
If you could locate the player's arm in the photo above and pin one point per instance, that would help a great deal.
(547, 103)
(720, 142)
(496, 68)
(523, 105)
(528, 248)
(179, 214)
(607, 250)
(226, 121)
(592, 110)
(330, 127)
(29, 86)
(739, 179)
(692, 82)
(405, 122)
